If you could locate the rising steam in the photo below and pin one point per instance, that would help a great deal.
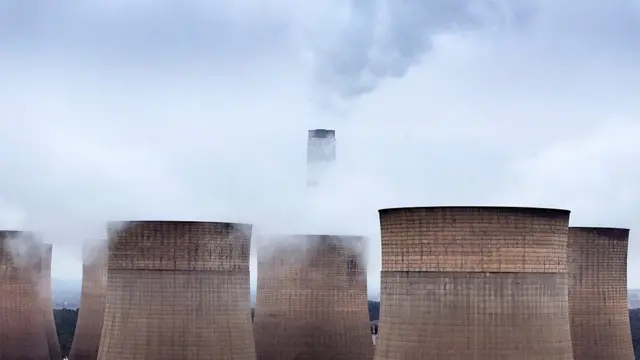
(382, 39)
(26, 250)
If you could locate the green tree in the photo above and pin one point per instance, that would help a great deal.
(65, 327)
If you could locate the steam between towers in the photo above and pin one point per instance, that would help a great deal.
(311, 301)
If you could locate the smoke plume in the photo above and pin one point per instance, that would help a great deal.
(26, 252)
(383, 39)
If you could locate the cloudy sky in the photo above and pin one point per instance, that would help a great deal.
(199, 110)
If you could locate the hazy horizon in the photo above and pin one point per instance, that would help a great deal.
(127, 110)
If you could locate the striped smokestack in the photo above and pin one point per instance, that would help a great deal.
(598, 293)
(480, 283)
(178, 290)
(22, 334)
(86, 340)
(311, 299)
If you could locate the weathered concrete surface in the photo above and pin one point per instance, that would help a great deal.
(22, 334)
(178, 291)
(86, 340)
(311, 301)
(598, 294)
(480, 283)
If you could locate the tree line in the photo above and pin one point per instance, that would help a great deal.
(66, 324)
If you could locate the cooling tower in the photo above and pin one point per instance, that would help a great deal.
(22, 334)
(311, 301)
(177, 291)
(480, 283)
(86, 339)
(598, 294)
(47, 304)
(321, 155)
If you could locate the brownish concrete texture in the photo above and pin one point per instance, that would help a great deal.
(86, 340)
(482, 283)
(597, 260)
(22, 334)
(47, 304)
(178, 291)
(311, 301)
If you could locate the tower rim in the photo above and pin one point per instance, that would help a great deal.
(15, 232)
(317, 235)
(528, 209)
(611, 232)
(184, 222)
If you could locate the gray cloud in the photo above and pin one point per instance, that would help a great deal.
(536, 106)
(169, 33)
(385, 39)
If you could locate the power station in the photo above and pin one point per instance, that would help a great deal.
(311, 301)
(457, 283)
(321, 155)
(177, 290)
(480, 283)
(86, 340)
(47, 304)
(22, 330)
(597, 260)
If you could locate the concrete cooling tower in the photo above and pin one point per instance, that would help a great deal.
(22, 334)
(480, 283)
(177, 290)
(311, 301)
(598, 294)
(86, 340)
(47, 304)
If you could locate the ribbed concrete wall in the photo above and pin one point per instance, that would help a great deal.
(86, 340)
(22, 334)
(178, 291)
(311, 301)
(47, 304)
(598, 294)
(480, 283)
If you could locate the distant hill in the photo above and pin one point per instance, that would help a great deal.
(66, 293)
(634, 298)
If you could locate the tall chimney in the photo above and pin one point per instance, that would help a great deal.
(597, 259)
(321, 155)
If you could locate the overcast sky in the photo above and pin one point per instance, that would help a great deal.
(199, 110)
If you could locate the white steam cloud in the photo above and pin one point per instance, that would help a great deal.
(24, 251)
(385, 38)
